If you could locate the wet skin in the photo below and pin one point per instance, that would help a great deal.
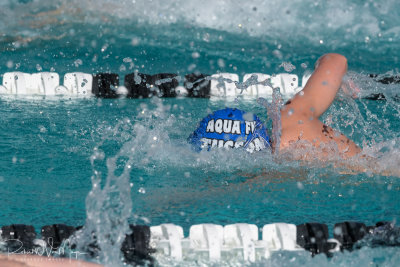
(300, 115)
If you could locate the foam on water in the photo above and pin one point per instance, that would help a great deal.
(256, 17)
(225, 35)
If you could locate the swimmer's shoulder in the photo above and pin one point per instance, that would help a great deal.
(316, 134)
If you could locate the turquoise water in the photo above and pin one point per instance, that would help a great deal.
(51, 149)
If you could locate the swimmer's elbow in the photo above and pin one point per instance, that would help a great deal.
(335, 57)
(338, 60)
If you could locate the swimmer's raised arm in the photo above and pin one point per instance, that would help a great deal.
(300, 115)
(321, 88)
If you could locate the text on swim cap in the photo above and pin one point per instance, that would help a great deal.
(255, 144)
(229, 126)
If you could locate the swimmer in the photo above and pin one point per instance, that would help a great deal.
(300, 124)
(14, 260)
(300, 115)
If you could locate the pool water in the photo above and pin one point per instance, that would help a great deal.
(54, 151)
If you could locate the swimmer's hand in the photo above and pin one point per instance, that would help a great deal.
(350, 88)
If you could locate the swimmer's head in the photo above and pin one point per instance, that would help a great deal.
(230, 128)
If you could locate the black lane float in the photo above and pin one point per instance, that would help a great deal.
(141, 85)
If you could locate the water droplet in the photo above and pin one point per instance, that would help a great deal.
(191, 67)
(287, 66)
(221, 63)
(146, 220)
(10, 64)
(277, 54)
(127, 60)
(195, 55)
(206, 37)
(135, 41)
(300, 185)
(142, 190)
(337, 230)
(104, 48)
(122, 68)
(42, 129)
(78, 62)
(290, 112)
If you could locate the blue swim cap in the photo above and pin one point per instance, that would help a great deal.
(230, 128)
